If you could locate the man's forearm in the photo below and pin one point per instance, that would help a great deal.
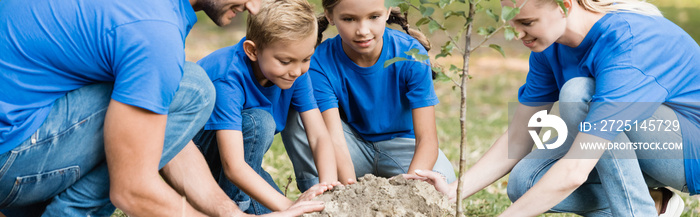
(189, 174)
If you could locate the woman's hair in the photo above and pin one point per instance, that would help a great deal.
(396, 17)
(281, 20)
(604, 6)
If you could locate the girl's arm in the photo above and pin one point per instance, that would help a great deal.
(565, 176)
(346, 170)
(321, 146)
(426, 151)
(243, 176)
(496, 162)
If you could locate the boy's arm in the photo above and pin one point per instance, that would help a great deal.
(321, 146)
(189, 174)
(346, 170)
(426, 151)
(133, 146)
(243, 176)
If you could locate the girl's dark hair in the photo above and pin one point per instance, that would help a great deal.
(395, 17)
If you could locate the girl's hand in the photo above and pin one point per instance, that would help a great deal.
(299, 208)
(437, 180)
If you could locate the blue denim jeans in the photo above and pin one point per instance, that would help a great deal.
(618, 186)
(61, 169)
(258, 134)
(383, 158)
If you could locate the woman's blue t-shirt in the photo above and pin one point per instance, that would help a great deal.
(633, 58)
(375, 101)
(48, 48)
(231, 72)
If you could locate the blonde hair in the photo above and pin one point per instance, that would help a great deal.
(281, 20)
(605, 6)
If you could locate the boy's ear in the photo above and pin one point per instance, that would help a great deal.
(250, 50)
(329, 17)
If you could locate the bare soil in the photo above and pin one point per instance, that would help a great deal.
(377, 196)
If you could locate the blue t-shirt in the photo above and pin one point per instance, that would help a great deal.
(236, 89)
(48, 48)
(633, 58)
(375, 101)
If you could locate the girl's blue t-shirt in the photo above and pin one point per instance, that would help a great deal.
(638, 62)
(231, 71)
(375, 101)
(48, 48)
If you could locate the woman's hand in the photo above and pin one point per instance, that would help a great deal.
(437, 180)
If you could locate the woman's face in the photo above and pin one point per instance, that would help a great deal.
(539, 23)
(360, 24)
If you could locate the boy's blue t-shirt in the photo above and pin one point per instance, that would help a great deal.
(48, 48)
(231, 71)
(633, 58)
(375, 101)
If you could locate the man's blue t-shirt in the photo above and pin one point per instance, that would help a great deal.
(633, 58)
(231, 71)
(48, 48)
(375, 101)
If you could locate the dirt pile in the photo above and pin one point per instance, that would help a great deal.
(376, 196)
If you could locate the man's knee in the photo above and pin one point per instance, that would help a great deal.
(197, 87)
(521, 178)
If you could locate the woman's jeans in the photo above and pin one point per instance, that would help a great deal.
(258, 134)
(61, 169)
(618, 186)
(383, 158)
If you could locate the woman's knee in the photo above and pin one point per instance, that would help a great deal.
(578, 89)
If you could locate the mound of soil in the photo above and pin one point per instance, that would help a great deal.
(376, 196)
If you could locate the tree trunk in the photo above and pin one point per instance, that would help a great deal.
(463, 112)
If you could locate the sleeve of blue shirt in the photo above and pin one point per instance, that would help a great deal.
(323, 91)
(230, 97)
(147, 57)
(421, 92)
(540, 85)
(303, 98)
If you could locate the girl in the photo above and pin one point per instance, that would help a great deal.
(381, 120)
(609, 63)
(256, 81)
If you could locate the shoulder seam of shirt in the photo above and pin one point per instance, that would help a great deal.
(145, 20)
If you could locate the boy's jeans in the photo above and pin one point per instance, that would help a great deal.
(61, 168)
(383, 158)
(258, 134)
(618, 186)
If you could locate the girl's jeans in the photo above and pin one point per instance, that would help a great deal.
(61, 168)
(258, 134)
(618, 186)
(384, 158)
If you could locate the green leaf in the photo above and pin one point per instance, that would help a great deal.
(393, 60)
(478, 8)
(393, 3)
(492, 15)
(442, 77)
(421, 57)
(432, 26)
(485, 31)
(443, 3)
(422, 21)
(455, 69)
(449, 14)
(510, 33)
(462, 1)
(507, 13)
(412, 52)
(498, 48)
(426, 11)
(404, 7)
(426, 2)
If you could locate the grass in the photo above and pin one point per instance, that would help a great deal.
(495, 84)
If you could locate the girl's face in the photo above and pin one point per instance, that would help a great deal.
(360, 24)
(539, 24)
(282, 62)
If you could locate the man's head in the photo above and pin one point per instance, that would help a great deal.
(222, 11)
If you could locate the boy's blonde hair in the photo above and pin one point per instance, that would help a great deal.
(281, 20)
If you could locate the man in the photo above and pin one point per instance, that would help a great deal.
(82, 78)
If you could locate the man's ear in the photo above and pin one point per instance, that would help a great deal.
(250, 50)
(329, 17)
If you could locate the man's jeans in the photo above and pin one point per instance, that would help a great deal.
(258, 134)
(61, 168)
(618, 186)
(383, 158)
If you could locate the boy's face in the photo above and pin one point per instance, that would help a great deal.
(282, 62)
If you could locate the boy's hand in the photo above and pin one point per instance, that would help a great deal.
(299, 208)
(437, 180)
(316, 190)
